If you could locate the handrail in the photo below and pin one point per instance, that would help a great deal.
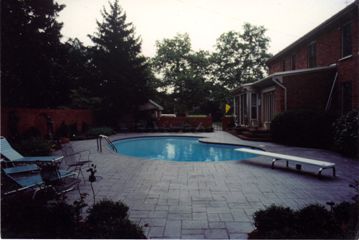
(107, 139)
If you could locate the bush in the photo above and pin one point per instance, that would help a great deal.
(94, 132)
(108, 219)
(274, 222)
(346, 138)
(36, 219)
(35, 146)
(313, 221)
(26, 218)
(306, 128)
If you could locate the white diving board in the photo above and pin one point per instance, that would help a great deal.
(277, 156)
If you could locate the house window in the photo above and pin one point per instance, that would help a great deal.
(346, 97)
(243, 110)
(268, 106)
(312, 61)
(292, 62)
(346, 40)
(254, 106)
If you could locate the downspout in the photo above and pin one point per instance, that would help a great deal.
(285, 92)
(331, 92)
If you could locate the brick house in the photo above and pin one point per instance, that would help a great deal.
(318, 71)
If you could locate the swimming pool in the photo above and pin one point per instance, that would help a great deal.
(183, 149)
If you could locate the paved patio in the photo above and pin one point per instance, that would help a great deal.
(212, 199)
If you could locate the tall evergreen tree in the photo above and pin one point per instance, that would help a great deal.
(32, 55)
(121, 69)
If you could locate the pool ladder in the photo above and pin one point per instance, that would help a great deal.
(107, 139)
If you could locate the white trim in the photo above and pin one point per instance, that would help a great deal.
(268, 89)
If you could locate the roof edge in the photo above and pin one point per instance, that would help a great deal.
(315, 30)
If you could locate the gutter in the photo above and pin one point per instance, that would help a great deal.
(285, 92)
(331, 92)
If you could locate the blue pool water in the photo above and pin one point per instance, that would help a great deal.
(182, 149)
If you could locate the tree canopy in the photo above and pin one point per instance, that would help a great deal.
(32, 54)
(183, 72)
(240, 57)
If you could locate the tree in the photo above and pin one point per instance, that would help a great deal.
(32, 54)
(79, 70)
(121, 70)
(182, 71)
(240, 57)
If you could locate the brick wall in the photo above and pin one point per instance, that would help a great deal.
(328, 48)
(179, 121)
(28, 118)
(309, 91)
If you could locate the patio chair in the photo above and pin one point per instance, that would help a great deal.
(75, 161)
(31, 178)
(12, 155)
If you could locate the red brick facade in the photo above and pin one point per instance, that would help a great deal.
(328, 41)
(35, 118)
(302, 75)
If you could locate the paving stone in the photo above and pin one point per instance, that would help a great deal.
(199, 216)
(194, 224)
(179, 216)
(213, 217)
(172, 229)
(225, 217)
(192, 231)
(216, 234)
(196, 236)
(238, 236)
(216, 225)
(153, 222)
(158, 214)
(239, 227)
(156, 232)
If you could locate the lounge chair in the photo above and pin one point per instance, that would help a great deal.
(31, 177)
(12, 155)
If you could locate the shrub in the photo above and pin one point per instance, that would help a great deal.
(274, 222)
(94, 132)
(108, 219)
(35, 146)
(63, 131)
(313, 221)
(26, 218)
(306, 128)
(346, 129)
(35, 219)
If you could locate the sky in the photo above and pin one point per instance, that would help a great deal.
(203, 20)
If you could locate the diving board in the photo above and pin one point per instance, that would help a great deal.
(277, 156)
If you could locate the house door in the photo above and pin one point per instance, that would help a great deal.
(268, 106)
(243, 109)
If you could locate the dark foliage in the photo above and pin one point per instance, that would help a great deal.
(26, 218)
(34, 146)
(94, 132)
(108, 219)
(283, 224)
(306, 128)
(32, 54)
(346, 134)
(313, 222)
